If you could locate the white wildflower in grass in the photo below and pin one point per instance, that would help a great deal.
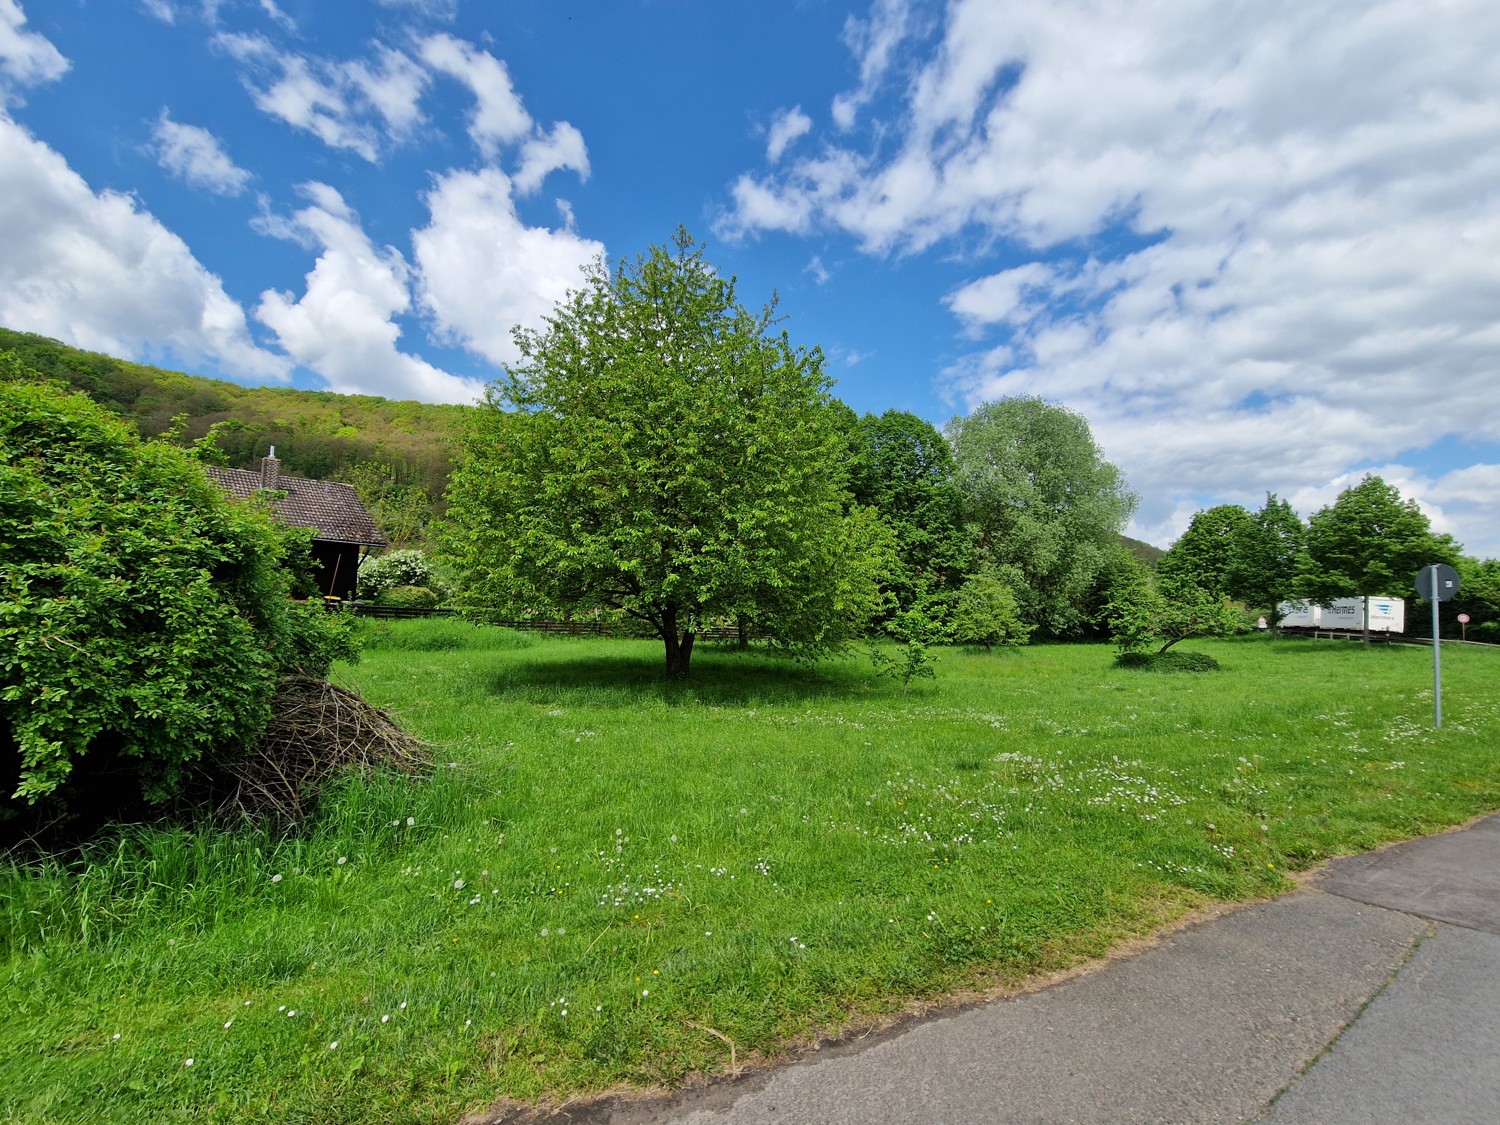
(116, 1035)
(385, 1018)
(187, 1062)
(411, 822)
(458, 884)
(402, 1005)
(545, 932)
(343, 859)
(292, 1013)
(334, 1046)
(227, 1024)
(645, 992)
(276, 878)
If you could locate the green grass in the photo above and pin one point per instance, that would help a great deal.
(768, 851)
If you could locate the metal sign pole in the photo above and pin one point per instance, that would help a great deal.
(1437, 654)
(1437, 583)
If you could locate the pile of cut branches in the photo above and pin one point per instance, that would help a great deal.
(318, 732)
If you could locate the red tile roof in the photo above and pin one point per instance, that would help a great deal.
(332, 510)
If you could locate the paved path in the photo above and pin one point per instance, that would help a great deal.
(1372, 996)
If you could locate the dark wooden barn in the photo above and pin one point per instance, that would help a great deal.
(342, 527)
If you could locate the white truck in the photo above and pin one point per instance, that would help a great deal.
(1346, 615)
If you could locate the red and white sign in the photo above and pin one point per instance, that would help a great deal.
(1463, 618)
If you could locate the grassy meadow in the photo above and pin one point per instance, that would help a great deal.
(610, 879)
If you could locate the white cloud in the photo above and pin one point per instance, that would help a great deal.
(26, 58)
(547, 152)
(342, 326)
(277, 15)
(353, 105)
(498, 117)
(874, 41)
(1002, 297)
(786, 127)
(818, 270)
(194, 155)
(483, 271)
(1255, 246)
(95, 271)
(161, 9)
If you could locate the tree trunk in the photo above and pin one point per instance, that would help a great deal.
(679, 645)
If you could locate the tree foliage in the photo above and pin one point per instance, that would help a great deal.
(1046, 507)
(144, 616)
(903, 468)
(1369, 541)
(1144, 611)
(1267, 557)
(1204, 555)
(659, 451)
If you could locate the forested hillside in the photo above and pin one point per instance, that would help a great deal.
(317, 434)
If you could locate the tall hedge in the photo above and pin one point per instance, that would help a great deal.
(144, 616)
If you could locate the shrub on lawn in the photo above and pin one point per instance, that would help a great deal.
(408, 597)
(144, 616)
(1169, 661)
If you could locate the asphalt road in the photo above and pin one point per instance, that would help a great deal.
(1371, 996)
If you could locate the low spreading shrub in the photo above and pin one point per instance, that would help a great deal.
(408, 597)
(1170, 661)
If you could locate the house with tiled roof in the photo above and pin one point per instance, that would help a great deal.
(341, 525)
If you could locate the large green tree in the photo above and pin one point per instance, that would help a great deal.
(1369, 541)
(1046, 507)
(903, 468)
(1267, 554)
(661, 451)
(1204, 554)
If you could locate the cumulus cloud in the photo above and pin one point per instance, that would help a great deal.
(482, 270)
(26, 58)
(498, 116)
(354, 105)
(194, 155)
(342, 327)
(1255, 246)
(786, 127)
(543, 153)
(96, 271)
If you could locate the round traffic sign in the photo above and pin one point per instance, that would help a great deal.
(1439, 579)
(1463, 618)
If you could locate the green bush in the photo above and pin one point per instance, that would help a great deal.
(408, 597)
(144, 616)
(1169, 661)
(379, 574)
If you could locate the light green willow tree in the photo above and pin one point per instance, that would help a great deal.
(1047, 507)
(661, 452)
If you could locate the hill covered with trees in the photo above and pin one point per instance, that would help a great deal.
(317, 434)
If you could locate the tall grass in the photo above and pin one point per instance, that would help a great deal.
(606, 864)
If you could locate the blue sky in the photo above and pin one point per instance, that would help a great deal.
(1256, 246)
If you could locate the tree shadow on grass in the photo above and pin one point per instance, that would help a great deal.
(720, 678)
